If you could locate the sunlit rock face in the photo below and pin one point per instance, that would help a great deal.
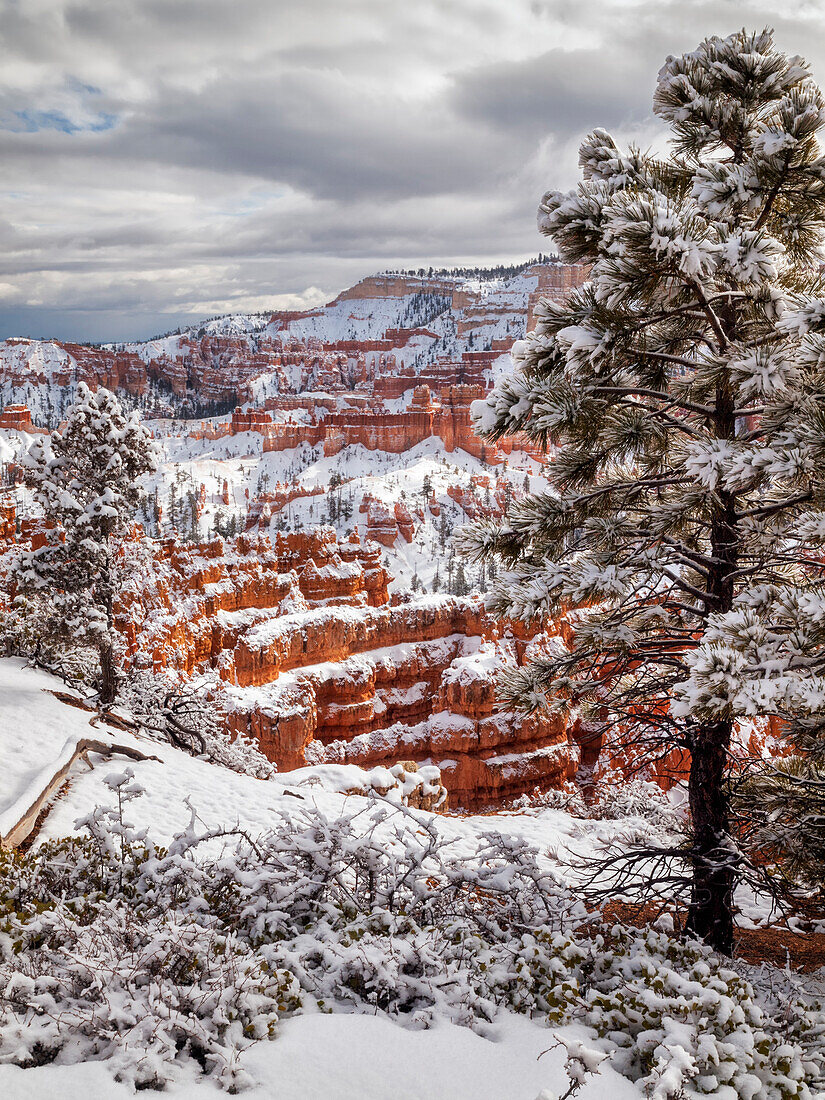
(320, 665)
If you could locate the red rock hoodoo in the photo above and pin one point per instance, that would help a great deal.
(319, 665)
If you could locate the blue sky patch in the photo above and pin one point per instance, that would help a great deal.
(31, 122)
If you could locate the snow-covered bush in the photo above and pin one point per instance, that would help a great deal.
(25, 632)
(158, 960)
(186, 714)
(614, 798)
(567, 797)
(620, 798)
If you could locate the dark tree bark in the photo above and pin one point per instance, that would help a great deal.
(108, 674)
(710, 911)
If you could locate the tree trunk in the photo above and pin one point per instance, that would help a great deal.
(108, 673)
(108, 667)
(710, 914)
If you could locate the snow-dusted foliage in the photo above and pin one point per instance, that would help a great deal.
(784, 802)
(86, 479)
(683, 387)
(186, 714)
(163, 960)
(26, 630)
(615, 797)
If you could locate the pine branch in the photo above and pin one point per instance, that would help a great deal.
(685, 586)
(667, 398)
(780, 506)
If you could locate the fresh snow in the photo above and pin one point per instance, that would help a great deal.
(345, 1056)
(38, 734)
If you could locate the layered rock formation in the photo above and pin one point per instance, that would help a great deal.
(17, 418)
(190, 607)
(356, 419)
(415, 681)
(316, 662)
(50, 362)
(310, 654)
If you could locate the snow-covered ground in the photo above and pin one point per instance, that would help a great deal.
(338, 1055)
(35, 728)
(37, 731)
(354, 1057)
(331, 1057)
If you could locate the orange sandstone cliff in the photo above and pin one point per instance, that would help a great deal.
(319, 665)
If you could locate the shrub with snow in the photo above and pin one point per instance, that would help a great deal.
(162, 960)
(186, 714)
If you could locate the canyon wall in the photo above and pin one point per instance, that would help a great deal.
(311, 350)
(320, 665)
(308, 651)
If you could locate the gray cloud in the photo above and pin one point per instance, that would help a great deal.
(546, 94)
(166, 159)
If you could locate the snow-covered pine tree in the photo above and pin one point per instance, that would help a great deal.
(86, 479)
(684, 386)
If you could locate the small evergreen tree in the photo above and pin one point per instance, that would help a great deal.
(86, 479)
(461, 586)
(684, 387)
(451, 573)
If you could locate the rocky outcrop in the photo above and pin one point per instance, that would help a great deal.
(212, 366)
(432, 700)
(395, 286)
(52, 362)
(17, 418)
(316, 662)
(319, 665)
(8, 521)
(555, 281)
(262, 507)
(190, 609)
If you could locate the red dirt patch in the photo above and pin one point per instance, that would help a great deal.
(778, 947)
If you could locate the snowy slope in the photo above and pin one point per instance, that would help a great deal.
(37, 734)
(338, 1056)
(34, 357)
(240, 462)
(331, 1057)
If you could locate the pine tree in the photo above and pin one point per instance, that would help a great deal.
(461, 586)
(86, 479)
(684, 387)
(173, 506)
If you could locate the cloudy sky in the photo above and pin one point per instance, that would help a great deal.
(163, 160)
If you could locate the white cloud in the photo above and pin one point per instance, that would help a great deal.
(247, 154)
